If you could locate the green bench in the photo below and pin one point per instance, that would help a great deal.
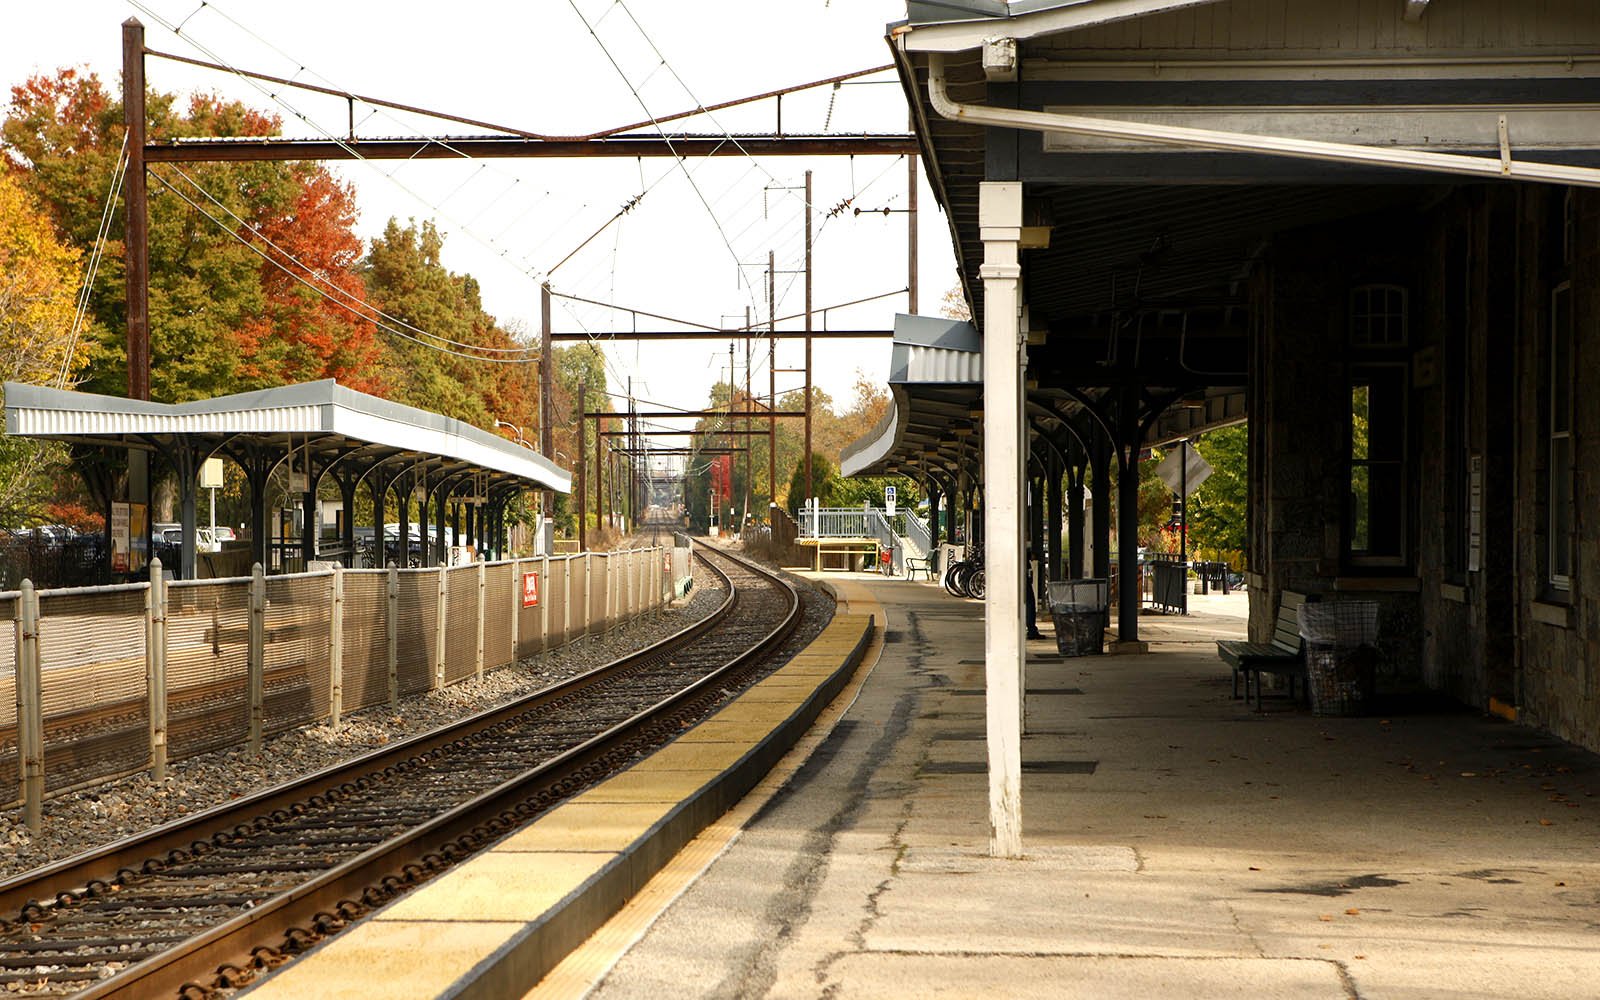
(1284, 656)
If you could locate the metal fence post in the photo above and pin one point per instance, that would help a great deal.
(632, 569)
(155, 656)
(478, 664)
(544, 606)
(567, 605)
(392, 622)
(256, 655)
(439, 630)
(30, 709)
(516, 611)
(336, 650)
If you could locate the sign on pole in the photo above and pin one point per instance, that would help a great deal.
(889, 493)
(530, 590)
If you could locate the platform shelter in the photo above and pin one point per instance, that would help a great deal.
(288, 440)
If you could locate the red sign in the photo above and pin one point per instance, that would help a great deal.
(530, 590)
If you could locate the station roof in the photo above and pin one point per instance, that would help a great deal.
(326, 416)
(935, 384)
(936, 405)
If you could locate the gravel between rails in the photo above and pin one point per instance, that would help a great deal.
(88, 818)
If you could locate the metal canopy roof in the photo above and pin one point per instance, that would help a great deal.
(936, 380)
(325, 413)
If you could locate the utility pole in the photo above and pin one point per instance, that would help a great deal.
(807, 459)
(599, 474)
(136, 257)
(772, 386)
(744, 515)
(583, 492)
(547, 369)
(911, 228)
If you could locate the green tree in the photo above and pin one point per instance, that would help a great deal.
(825, 482)
(1218, 511)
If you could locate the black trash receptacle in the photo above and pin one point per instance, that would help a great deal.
(1080, 611)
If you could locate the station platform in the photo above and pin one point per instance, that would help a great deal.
(1178, 844)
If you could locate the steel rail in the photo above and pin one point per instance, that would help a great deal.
(398, 863)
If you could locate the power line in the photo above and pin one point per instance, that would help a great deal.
(394, 331)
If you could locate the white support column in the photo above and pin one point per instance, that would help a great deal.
(1000, 225)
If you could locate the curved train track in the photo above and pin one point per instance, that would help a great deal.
(211, 900)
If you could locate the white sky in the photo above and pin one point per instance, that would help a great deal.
(536, 66)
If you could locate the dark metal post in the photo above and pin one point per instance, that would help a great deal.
(1075, 539)
(1052, 524)
(772, 387)
(807, 458)
(583, 490)
(441, 544)
(1128, 588)
(136, 247)
(547, 366)
(911, 226)
(1100, 488)
(407, 483)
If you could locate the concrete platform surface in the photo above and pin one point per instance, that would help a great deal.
(1178, 843)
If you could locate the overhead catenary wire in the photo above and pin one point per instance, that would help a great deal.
(363, 303)
(92, 266)
(384, 326)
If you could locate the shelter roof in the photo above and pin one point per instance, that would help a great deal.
(324, 411)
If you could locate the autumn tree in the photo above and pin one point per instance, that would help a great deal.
(39, 280)
(316, 323)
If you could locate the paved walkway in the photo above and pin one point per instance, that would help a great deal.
(1179, 845)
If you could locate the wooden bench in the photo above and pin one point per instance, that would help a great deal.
(1284, 656)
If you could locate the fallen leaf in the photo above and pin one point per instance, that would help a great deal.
(1561, 883)
(1547, 822)
(1255, 869)
(1326, 918)
(1469, 774)
(1358, 956)
(1352, 912)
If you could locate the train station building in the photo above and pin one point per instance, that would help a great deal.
(1369, 229)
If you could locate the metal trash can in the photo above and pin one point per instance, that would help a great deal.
(1080, 611)
(1341, 655)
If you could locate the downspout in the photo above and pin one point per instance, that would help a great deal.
(1238, 142)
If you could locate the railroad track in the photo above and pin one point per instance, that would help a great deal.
(210, 901)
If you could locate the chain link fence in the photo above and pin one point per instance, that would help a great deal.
(102, 682)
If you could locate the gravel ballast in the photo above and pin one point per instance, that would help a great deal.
(88, 818)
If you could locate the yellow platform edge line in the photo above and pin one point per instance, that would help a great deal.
(585, 967)
(661, 861)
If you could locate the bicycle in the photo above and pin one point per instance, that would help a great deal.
(965, 577)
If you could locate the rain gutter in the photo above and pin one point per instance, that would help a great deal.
(1504, 168)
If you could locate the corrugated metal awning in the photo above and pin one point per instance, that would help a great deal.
(935, 378)
(323, 409)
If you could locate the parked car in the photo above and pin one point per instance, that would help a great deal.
(204, 540)
(225, 534)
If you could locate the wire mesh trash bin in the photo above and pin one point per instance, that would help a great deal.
(1079, 609)
(1341, 655)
